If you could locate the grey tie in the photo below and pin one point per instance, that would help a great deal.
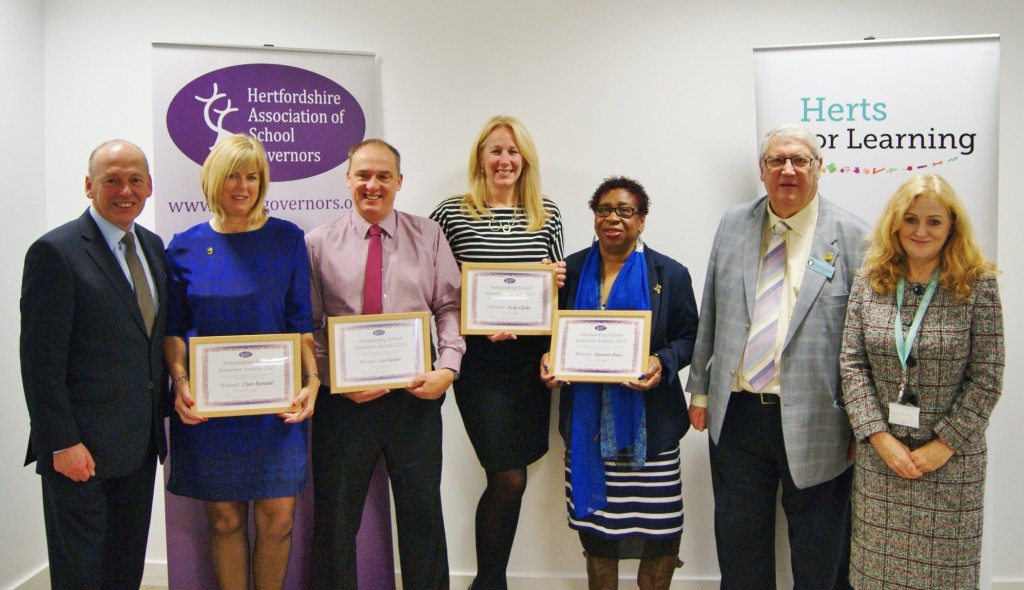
(142, 293)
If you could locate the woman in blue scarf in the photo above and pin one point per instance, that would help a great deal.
(623, 480)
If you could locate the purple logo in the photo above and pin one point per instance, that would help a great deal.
(378, 332)
(509, 280)
(306, 121)
(245, 354)
(600, 327)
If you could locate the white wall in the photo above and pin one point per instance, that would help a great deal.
(658, 89)
(22, 220)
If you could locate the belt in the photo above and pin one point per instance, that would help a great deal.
(766, 399)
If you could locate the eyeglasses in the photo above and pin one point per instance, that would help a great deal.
(622, 211)
(798, 162)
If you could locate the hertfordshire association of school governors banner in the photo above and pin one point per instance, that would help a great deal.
(308, 108)
(884, 111)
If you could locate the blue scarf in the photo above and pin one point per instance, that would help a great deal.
(607, 421)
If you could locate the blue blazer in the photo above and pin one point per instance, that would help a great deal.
(673, 331)
(90, 372)
(814, 423)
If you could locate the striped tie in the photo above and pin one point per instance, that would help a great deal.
(759, 357)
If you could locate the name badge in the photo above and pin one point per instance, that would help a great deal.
(904, 415)
(821, 267)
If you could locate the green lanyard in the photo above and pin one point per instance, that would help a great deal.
(904, 344)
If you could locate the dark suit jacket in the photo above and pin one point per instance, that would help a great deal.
(673, 332)
(90, 372)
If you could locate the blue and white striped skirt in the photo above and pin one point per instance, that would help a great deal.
(648, 502)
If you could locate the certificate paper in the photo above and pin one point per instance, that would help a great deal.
(516, 298)
(244, 375)
(601, 346)
(373, 351)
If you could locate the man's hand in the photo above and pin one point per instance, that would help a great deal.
(698, 417)
(75, 463)
(432, 384)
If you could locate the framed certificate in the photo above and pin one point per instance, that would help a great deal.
(244, 375)
(507, 297)
(373, 351)
(600, 346)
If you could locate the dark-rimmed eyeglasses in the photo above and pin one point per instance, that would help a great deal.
(623, 211)
(798, 162)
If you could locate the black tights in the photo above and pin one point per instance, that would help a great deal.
(497, 516)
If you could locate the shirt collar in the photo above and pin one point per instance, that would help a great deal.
(801, 222)
(389, 224)
(111, 233)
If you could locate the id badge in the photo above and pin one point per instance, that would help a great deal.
(904, 415)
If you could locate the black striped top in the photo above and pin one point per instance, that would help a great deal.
(501, 236)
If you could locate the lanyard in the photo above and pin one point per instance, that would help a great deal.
(904, 344)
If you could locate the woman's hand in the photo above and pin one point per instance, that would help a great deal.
(896, 455)
(559, 271)
(361, 397)
(546, 376)
(183, 403)
(651, 377)
(304, 402)
(501, 336)
(932, 455)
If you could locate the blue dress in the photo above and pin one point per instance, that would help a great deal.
(253, 282)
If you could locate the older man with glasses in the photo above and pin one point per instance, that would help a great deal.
(765, 372)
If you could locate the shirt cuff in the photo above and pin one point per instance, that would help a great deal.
(699, 400)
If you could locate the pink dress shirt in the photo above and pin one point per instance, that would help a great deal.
(420, 274)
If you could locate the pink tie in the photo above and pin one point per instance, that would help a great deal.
(374, 278)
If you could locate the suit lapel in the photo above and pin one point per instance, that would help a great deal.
(825, 241)
(752, 234)
(654, 271)
(96, 247)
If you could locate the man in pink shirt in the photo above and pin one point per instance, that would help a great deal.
(351, 431)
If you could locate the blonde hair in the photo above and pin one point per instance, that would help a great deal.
(961, 260)
(231, 154)
(527, 190)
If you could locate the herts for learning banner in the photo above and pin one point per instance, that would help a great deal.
(307, 107)
(884, 111)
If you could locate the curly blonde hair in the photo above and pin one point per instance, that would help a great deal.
(961, 260)
(528, 193)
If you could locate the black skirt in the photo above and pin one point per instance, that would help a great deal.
(504, 405)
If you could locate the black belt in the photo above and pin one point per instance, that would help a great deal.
(766, 399)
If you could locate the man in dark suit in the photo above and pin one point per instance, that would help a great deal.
(765, 372)
(92, 324)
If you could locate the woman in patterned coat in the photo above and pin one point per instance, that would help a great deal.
(922, 369)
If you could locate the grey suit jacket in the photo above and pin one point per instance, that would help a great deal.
(814, 423)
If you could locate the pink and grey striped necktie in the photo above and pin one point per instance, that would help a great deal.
(759, 357)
